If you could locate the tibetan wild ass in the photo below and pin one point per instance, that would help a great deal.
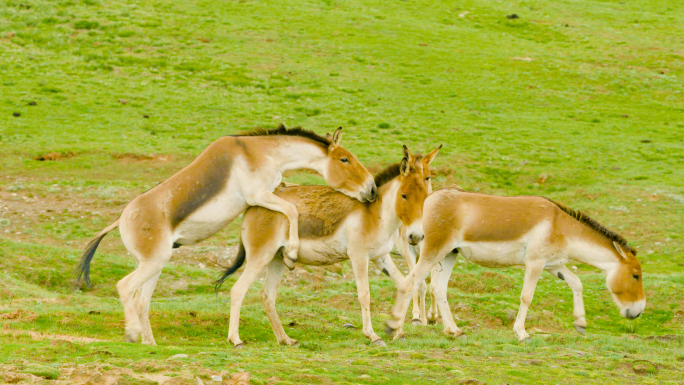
(529, 231)
(233, 173)
(332, 228)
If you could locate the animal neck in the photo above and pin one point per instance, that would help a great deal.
(589, 249)
(387, 197)
(296, 153)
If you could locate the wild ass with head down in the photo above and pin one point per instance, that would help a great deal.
(233, 173)
(332, 228)
(529, 231)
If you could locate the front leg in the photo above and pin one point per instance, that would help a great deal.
(439, 284)
(575, 284)
(404, 293)
(359, 264)
(273, 202)
(533, 270)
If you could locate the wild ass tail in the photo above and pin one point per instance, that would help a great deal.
(239, 261)
(83, 268)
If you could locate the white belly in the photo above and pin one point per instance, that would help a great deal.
(208, 219)
(494, 254)
(322, 251)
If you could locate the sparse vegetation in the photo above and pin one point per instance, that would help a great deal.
(580, 101)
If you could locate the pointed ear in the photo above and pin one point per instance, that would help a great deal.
(620, 250)
(427, 159)
(337, 136)
(406, 161)
(408, 155)
(329, 137)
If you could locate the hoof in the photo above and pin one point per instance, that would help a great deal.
(289, 342)
(389, 330)
(457, 334)
(401, 339)
(131, 337)
(289, 263)
(581, 329)
(241, 345)
(416, 321)
(379, 343)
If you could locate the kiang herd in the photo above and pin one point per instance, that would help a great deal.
(359, 218)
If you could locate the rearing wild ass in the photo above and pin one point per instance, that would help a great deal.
(233, 173)
(528, 231)
(332, 228)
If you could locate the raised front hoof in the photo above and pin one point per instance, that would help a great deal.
(581, 329)
(388, 329)
(379, 343)
(289, 342)
(288, 263)
(416, 321)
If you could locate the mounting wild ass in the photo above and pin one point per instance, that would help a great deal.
(529, 231)
(332, 228)
(233, 173)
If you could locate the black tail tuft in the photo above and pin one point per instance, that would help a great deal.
(239, 261)
(83, 268)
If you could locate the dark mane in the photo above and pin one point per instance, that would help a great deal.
(296, 131)
(583, 218)
(391, 172)
(387, 175)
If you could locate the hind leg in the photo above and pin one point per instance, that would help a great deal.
(254, 266)
(143, 297)
(147, 269)
(274, 273)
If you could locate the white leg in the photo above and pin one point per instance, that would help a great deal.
(533, 269)
(275, 203)
(404, 293)
(143, 304)
(253, 268)
(575, 284)
(360, 267)
(440, 283)
(274, 273)
(433, 315)
(149, 267)
(411, 257)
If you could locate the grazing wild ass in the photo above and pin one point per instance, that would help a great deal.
(233, 173)
(529, 231)
(332, 228)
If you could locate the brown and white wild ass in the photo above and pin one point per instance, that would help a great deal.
(332, 228)
(529, 231)
(233, 173)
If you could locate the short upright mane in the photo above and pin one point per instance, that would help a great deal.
(387, 174)
(391, 172)
(583, 218)
(296, 131)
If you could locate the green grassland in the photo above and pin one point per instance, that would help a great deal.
(581, 101)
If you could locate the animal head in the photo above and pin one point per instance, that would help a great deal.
(625, 283)
(346, 174)
(415, 185)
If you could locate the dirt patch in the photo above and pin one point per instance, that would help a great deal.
(19, 315)
(52, 156)
(141, 157)
(47, 336)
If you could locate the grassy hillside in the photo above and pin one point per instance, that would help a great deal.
(581, 101)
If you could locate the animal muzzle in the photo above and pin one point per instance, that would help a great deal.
(371, 192)
(415, 236)
(633, 310)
